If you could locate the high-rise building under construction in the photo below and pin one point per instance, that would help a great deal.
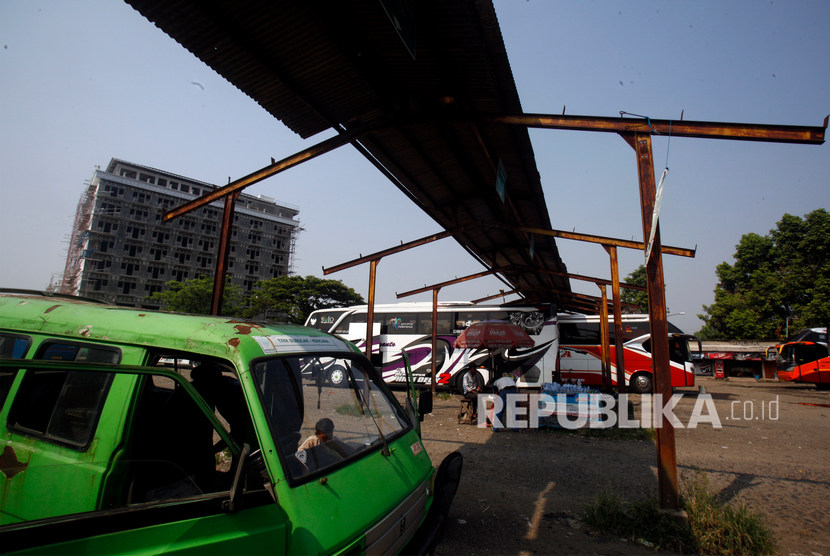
(120, 250)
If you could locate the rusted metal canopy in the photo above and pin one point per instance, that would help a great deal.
(322, 65)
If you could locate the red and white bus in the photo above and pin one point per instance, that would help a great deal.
(580, 352)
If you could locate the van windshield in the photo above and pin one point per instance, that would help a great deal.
(324, 410)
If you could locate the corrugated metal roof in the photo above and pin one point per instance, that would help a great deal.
(322, 64)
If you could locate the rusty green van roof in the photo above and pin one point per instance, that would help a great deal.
(230, 338)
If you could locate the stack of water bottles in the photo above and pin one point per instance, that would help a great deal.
(567, 403)
(553, 388)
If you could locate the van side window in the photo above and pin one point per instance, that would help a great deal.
(67, 351)
(12, 346)
(174, 449)
(63, 406)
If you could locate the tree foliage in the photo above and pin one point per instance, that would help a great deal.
(638, 298)
(285, 298)
(777, 278)
(195, 296)
(293, 298)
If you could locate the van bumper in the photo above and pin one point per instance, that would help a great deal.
(428, 535)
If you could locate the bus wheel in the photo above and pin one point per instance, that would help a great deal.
(337, 376)
(641, 383)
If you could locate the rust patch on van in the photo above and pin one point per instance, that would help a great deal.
(243, 329)
(52, 308)
(234, 342)
(9, 464)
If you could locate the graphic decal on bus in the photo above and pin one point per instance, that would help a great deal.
(408, 327)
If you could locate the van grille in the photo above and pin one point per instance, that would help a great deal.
(394, 530)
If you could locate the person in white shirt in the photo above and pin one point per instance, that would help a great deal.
(505, 382)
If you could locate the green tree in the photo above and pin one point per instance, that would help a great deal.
(638, 298)
(778, 278)
(195, 296)
(293, 298)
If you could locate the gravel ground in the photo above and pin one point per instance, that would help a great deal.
(523, 492)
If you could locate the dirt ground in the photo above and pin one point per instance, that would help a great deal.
(523, 492)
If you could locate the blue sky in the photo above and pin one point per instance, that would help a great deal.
(84, 81)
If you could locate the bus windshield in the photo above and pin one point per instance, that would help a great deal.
(324, 318)
(317, 425)
(680, 347)
(799, 353)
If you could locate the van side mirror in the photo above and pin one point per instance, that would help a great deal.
(424, 404)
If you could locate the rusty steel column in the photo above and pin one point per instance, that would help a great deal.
(666, 453)
(370, 310)
(434, 334)
(619, 355)
(222, 253)
(604, 339)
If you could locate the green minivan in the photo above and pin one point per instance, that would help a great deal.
(133, 431)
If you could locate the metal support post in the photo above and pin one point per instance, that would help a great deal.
(434, 335)
(604, 337)
(666, 454)
(370, 310)
(619, 355)
(222, 253)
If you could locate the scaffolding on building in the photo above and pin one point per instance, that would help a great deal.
(79, 241)
(292, 244)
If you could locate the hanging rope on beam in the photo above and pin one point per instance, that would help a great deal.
(658, 199)
(656, 213)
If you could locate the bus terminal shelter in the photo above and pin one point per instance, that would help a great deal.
(424, 91)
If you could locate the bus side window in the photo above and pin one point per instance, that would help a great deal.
(582, 333)
(466, 318)
(633, 330)
(386, 322)
(398, 323)
(343, 327)
(810, 353)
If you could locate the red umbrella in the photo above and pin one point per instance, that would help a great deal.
(493, 335)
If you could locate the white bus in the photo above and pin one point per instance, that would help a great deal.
(408, 326)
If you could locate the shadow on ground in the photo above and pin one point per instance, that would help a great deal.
(524, 492)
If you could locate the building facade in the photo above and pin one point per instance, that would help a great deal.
(121, 252)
